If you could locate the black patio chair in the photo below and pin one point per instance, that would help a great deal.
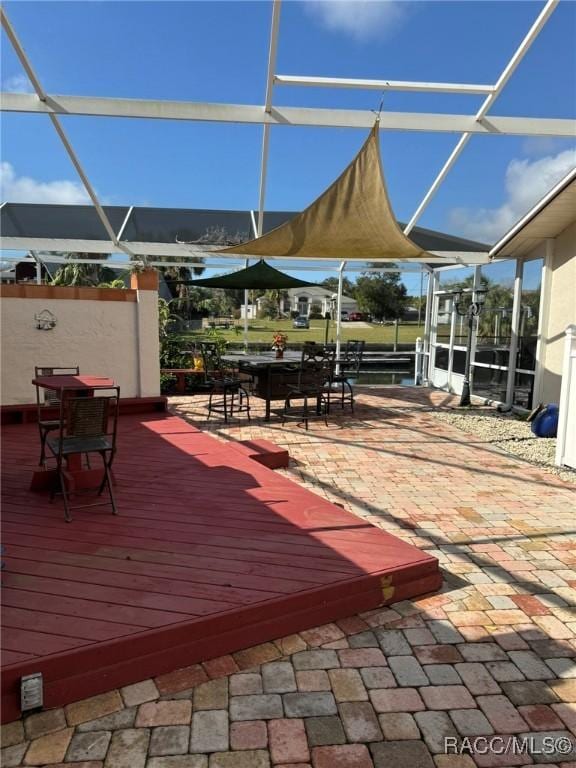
(228, 395)
(46, 405)
(349, 366)
(90, 425)
(314, 373)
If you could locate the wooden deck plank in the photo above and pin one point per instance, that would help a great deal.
(211, 552)
(59, 624)
(76, 607)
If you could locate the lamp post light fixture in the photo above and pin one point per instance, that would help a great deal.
(470, 309)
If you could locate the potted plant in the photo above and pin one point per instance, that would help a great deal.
(279, 344)
(144, 278)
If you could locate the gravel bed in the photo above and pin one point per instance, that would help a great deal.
(510, 433)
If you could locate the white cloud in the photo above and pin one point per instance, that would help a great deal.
(526, 183)
(23, 189)
(17, 84)
(363, 19)
(544, 145)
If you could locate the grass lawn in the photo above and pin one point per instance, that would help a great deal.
(261, 331)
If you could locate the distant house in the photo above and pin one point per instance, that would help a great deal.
(302, 300)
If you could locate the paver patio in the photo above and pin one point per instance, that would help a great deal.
(494, 654)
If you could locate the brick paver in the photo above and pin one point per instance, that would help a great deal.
(493, 654)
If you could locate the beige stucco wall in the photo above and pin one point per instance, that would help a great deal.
(561, 312)
(111, 338)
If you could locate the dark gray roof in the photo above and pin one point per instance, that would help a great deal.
(169, 225)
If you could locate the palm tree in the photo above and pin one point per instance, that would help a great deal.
(83, 274)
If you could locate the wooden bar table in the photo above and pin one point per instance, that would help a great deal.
(69, 386)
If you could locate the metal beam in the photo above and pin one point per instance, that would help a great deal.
(180, 251)
(481, 118)
(381, 85)
(42, 97)
(302, 116)
(268, 108)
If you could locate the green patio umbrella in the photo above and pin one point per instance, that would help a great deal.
(258, 276)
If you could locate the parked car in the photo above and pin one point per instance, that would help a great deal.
(344, 316)
(301, 322)
(356, 316)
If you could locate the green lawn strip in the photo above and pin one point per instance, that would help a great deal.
(261, 331)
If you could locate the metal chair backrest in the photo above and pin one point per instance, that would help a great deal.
(353, 354)
(211, 359)
(87, 416)
(56, 370)
(316, 365)
(51, 398)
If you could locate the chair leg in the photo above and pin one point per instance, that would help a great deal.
(305, 412)
(43, 436)
(210, 404)
(244, 394)
(226, 406)
(67, 515)
(110, 491)
(248, 407)
(351, 396)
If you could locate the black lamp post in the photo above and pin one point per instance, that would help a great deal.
(469, 309)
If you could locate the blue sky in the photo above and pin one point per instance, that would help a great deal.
(217, 51)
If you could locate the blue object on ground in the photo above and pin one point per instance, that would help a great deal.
(546, 423)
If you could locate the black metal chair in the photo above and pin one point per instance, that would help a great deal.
(228, 395)
(46, 406)
(85, 428)
(316, 369)
(349, 366)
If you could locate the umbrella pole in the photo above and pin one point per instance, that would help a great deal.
(246, 312)
(339, 312)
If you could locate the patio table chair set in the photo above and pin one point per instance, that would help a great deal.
(73, 423)
(310, 385)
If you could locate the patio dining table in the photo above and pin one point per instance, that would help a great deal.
(261, 365)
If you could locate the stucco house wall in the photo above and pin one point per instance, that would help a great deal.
(559, 305)
(106, 332)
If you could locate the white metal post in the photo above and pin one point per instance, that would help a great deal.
(487, 104)
(543, 313)
(432, 321)
(476, 285)
(246, 297)
(268, 109)
(382, 85)
(566, 441)
(339, 311)
(451, 344)
(24, 60)
(514, 333)
(38, 267)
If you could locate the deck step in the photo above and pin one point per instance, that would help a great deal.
(264, 452)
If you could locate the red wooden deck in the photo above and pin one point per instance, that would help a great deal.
(212, 552)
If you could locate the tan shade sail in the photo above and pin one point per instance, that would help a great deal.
(352, 219)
